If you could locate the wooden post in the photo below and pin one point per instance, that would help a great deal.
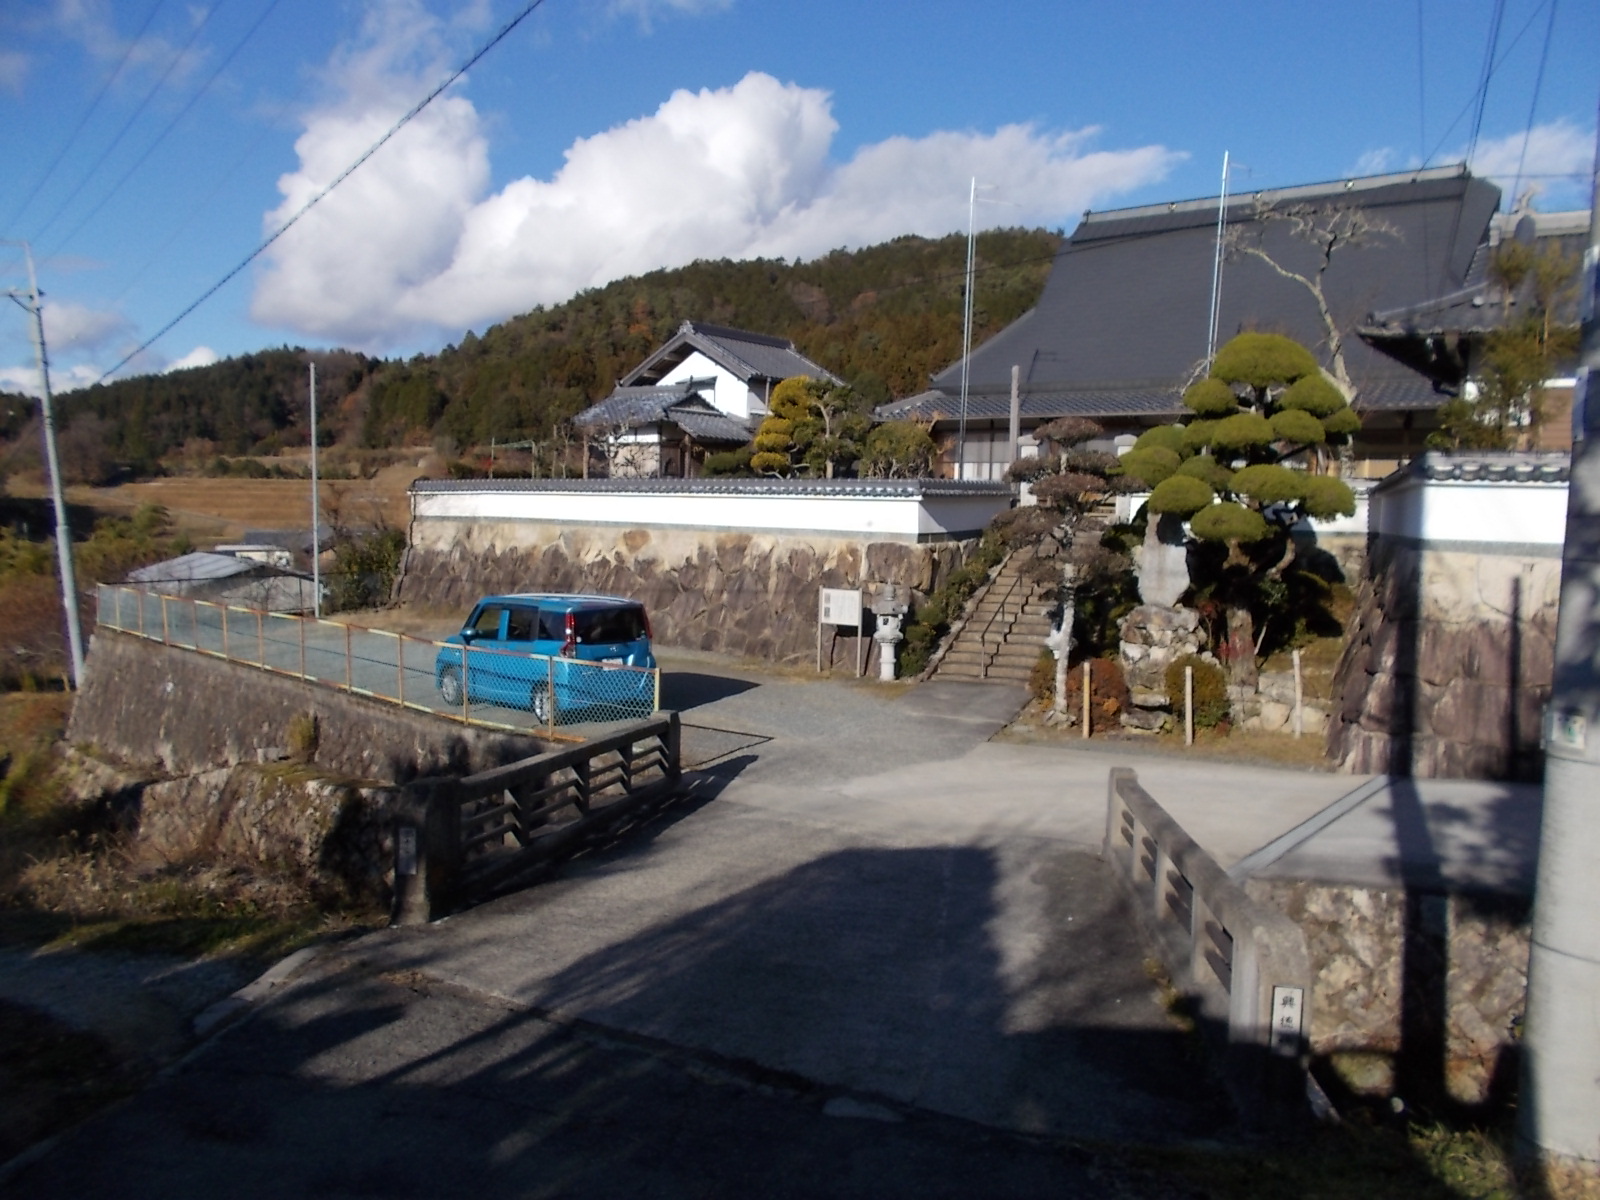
(225, 653)
(1188, 706)
(166, 639)
(1086, 698)
(1299, 720)
(348, 669)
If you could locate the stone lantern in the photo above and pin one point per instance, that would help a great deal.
(890, 603)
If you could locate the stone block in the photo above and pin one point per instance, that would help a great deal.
(1273, 716)
(1145, 720)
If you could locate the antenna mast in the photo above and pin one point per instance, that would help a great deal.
(1216, 268)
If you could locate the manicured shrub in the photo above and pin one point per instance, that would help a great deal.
(1210, 691)
(1181, 495)
(1211, 398)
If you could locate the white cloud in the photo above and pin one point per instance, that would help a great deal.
(1377, 162)
(13, 71)
(200, 356)
(412, 242)
(69, 326)
(1559, 157)
(644, 10)
(25, 378)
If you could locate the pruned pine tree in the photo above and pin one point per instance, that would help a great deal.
(1223, 470)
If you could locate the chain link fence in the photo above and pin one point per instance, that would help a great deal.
(477, 684)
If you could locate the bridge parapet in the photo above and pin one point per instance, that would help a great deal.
(461, 839)
(1244, 966)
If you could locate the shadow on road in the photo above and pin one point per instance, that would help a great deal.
(687, 690)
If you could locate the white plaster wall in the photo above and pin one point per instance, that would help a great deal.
(883, 518)
(1484, 511)
(729, 394)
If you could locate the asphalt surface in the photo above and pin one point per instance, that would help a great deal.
(871, 951)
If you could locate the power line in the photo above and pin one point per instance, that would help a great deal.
(172, 64)
(84, 119)
(1533, 106)
(1473, 99)
(505, 31)
(1497, 16)
(170, 125)
(1422, 91)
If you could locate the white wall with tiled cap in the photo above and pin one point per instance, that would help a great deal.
(895, 515)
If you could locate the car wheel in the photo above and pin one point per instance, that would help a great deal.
(539, 704)
(450, 686)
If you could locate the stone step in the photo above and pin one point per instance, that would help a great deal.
(1011, 674)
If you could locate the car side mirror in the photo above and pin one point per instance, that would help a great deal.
(467, 635)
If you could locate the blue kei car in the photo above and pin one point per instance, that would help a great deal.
(557, 656)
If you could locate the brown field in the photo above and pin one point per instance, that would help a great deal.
(220, 510)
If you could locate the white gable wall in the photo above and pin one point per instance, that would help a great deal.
(730, 394)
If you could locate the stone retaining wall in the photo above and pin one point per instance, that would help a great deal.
(1447, 664)
(734, 593)
(1464, 959)
(177, 712)
(283, 819)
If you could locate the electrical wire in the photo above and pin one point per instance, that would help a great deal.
(499, 37)
(160, 137)
(138, 111)
(105, 86)
(1497, 16)
(1533, 106)
(1422, 91)
(1473, 99)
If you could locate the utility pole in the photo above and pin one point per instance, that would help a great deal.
(316, 515)
(1559, 1112)
(69, 581)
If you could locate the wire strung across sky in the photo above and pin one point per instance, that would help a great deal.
(172, 64)
(84, 119)
(504, 32)
(168, 128)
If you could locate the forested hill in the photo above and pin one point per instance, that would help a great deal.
(883, 318)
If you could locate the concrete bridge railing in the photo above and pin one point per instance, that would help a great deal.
(460, 839)
(1245, 967)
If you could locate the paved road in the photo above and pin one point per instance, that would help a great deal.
(873, 952)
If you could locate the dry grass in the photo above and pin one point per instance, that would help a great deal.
(220, 510)
(1306, 753)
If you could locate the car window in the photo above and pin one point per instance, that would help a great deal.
(520, 624)
(552, 625)
(487, 624)
(611, 625)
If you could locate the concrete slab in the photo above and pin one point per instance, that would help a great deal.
(1459, 834)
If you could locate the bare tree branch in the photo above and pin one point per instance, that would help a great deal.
(1328, 230)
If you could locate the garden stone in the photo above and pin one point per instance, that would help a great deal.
(1162, 563)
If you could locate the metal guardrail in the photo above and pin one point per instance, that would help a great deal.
(1246, 966)
(462, 839)
(475, 685)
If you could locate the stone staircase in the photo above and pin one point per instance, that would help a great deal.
(1004, 629)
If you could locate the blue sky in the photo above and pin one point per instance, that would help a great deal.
(150, 145)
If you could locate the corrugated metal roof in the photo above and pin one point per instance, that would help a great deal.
(910, 488)
(198, 565)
